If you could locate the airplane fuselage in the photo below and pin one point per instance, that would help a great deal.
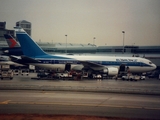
(135, 64)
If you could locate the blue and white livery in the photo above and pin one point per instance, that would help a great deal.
(105, 64)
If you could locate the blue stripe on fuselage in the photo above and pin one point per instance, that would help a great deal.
(105, 63)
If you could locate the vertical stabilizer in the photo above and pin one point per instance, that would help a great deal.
(29, 47)
(11, 41)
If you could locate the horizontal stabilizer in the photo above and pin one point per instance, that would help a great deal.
(29, 60)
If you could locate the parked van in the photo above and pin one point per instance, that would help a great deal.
(25, 72)
(16, 72)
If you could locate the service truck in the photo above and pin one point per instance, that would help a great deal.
(6, 72)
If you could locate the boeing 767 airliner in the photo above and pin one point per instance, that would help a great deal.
(104, 64)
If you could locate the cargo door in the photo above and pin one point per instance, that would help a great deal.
(67, 67)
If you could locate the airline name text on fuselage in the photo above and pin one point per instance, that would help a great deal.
(126, 60)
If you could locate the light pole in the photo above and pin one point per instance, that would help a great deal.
(94, 40)
(123, 40)
(66, 43)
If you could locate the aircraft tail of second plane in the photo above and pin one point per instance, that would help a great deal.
(11, 41)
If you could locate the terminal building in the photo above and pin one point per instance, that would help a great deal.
(23, 23)
(149, 52)
(3, 31)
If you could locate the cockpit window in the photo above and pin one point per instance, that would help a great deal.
(150, 62)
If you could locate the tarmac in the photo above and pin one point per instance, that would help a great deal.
(148, 86)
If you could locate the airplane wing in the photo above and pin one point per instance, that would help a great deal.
(29, 60)
(92, 65)
(109, 70)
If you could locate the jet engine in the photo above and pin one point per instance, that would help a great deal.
(111, 71)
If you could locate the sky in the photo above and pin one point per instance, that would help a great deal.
(84, 20)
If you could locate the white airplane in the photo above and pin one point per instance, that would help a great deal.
(104, 64)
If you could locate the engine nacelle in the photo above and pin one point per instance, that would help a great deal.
(105, 70)
(111, 71)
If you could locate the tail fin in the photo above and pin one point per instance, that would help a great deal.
(29, 47)
(11, 41)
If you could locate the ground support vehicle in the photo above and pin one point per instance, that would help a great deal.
(63, 75)
(42, 75)
(6, 72)
(97, 76)
(84, 75)
(45, 76)
(52, 75)
(133, 77)
(16, 72)
(25, 72)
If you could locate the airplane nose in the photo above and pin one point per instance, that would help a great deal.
(154, 66)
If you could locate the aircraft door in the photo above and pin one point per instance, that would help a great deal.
(122, 68)
(67, 67)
